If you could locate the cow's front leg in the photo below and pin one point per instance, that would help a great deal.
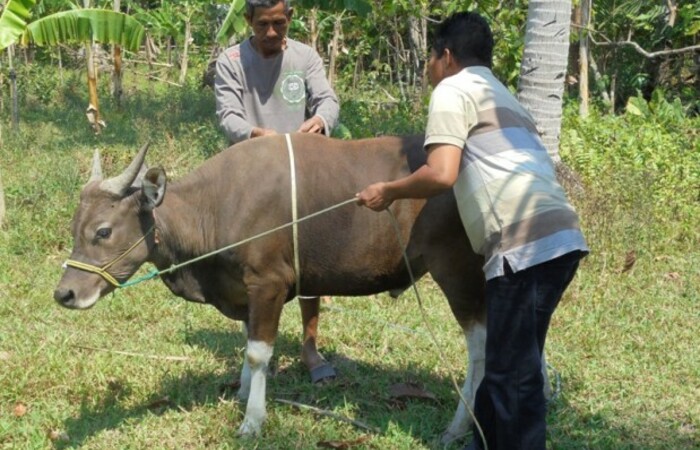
(265, 309)
(319, 369)
(258, 354)
(476, 346)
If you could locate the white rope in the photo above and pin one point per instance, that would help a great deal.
(295, 212)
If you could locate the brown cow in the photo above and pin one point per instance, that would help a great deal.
(125, 221)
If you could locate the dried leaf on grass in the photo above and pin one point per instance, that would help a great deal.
(58, 436)
(341, 445)
(409, 390)
(673, 276)
(20, 409)
(630, 259)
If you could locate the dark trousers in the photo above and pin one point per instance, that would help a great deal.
(510, 404)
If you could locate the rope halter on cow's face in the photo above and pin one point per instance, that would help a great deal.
(118, 186)
(102, 271)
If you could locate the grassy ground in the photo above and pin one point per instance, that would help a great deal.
(144, 369)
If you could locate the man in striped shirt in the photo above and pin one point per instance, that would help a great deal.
(484, 144)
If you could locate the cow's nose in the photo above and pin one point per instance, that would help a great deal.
(63, 296)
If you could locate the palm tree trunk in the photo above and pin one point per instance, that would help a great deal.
(543, 68)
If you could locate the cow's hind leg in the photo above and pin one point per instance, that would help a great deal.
(319, 369)
(244, 390)
(476, 346)
(463, 420)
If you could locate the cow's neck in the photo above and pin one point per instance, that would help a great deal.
(181, 229)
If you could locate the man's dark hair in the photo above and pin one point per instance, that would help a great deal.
(250, 5)
(468, 37)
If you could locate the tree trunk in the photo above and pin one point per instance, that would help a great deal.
(419, 48)
(335, 43)
(585, 7)
(313, 28)
(543, 68)
(60, 64)
(117, 73)
(13, 89)
(93, 109)
(185, 49)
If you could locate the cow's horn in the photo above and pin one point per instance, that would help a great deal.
(119, 184)
(96, 174)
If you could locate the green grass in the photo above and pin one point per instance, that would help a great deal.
(624, 344)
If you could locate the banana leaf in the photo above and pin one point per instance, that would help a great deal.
(82, 25)
(233, 23)
(13, 21)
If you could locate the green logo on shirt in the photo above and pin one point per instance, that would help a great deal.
(293, 88)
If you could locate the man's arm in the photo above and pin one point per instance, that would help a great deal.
(228, 90)
(438, 174)
(322, 101)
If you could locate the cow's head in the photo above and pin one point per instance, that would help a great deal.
(113, 231)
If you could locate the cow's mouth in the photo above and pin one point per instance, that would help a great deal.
(68, 299)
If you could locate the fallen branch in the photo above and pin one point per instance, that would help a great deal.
(141, 355)
(326, 413)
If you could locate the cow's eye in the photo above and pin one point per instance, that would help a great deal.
(104, 233)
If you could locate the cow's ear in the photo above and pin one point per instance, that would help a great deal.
(153, 187)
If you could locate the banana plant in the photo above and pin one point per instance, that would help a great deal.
(13, 22)
(78, 25)
(234, 23)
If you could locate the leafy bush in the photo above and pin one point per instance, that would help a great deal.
(641, 168)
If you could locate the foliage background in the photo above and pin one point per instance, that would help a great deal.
(623, 345)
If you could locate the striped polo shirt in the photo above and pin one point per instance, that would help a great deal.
(509, 200)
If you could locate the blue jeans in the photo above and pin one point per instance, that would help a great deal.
(510, 404)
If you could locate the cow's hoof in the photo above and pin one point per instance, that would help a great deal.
(322, 374)
(248, 429)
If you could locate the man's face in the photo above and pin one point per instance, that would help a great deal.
(270, 28)
(436, 68)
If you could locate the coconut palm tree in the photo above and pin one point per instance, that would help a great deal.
(543, 67)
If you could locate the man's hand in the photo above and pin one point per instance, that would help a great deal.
(313, 125)
(258, 132)
(375, 196)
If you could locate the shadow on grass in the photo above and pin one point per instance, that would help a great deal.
(364, 386)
